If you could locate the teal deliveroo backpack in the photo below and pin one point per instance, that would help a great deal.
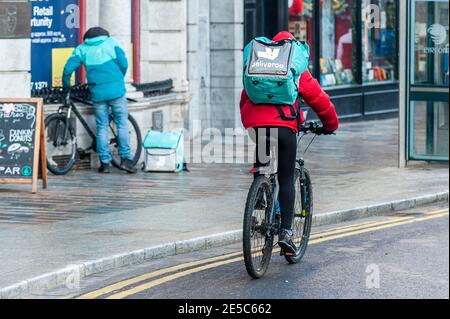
(272, 70)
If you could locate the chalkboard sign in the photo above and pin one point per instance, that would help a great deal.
(22, 142)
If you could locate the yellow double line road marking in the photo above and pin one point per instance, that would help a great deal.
(190, 268)
(132, 281)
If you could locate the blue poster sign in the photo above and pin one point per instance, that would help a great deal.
(54, 35)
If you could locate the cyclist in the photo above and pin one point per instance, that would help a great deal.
(264, 118)
(106, 66)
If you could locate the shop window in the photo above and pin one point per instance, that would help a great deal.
(301, 23)
(430, 60)
(379, 40)
(337, 51)
(430, 125)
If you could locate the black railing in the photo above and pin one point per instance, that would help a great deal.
(56, 95)
(155, 88)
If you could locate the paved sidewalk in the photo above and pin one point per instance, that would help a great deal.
(84, 216)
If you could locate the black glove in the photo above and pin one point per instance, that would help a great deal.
(324, 131)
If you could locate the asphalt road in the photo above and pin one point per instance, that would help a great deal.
(400, 256)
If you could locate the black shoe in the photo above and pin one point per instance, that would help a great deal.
(286, 243)
(127, 166)
(105, 168)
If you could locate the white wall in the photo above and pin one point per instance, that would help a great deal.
(15, 66)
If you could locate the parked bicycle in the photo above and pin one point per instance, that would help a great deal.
(62, 143)
(261, 222)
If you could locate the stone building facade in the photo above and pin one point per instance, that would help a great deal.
(15, 50)
(215, 36)
(196, 43)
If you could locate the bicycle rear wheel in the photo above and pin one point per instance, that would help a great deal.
(135, 141)
(61, 144)
(257, 236)
(303, 216)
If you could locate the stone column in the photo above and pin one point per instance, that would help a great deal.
(163, 42)
(198, 56)
(115, 16)
(227, 42)
(15, 53)
(93, 13)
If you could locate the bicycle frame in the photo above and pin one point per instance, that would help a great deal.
(72, 108)
(275, 191)
(301, 163)
(276, 188)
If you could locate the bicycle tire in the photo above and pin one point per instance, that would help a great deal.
(63, 170)
(257, 271)
(116, 161)
(309, 209)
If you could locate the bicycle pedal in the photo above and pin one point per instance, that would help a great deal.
(283, 252)
(289, 254)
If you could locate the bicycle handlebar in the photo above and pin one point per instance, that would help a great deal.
(312, 127)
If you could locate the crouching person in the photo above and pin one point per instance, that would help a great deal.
(106, 67)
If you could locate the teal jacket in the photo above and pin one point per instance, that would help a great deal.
(106, 66)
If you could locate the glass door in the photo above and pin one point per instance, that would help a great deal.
(429, 80)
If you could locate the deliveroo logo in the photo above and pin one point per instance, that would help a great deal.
(269, 54)
(438, 33)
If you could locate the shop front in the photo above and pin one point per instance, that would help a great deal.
(424, 115)
(354, 47)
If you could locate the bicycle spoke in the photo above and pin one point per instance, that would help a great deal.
(261, 231)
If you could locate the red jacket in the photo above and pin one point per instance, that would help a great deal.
(261, 115)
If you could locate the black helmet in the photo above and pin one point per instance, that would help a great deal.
(95, 32)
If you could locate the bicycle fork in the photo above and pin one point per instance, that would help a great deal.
(66, 128)
(303, 187)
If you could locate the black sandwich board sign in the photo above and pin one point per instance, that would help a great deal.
(22, 142)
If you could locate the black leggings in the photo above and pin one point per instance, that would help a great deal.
(286, 156)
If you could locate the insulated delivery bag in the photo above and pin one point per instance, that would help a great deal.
(272, 70)
(164, 152)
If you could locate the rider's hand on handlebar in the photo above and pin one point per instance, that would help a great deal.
(324, 131)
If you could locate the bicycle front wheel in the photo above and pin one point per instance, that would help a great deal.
(303, 215)
(61, 144)
(257, 233)
(135, 141)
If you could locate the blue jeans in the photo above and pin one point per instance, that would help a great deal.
(119, 109)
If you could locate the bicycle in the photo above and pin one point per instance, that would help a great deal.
(62, 143)
(261, 223)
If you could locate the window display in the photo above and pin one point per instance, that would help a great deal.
(379, 40)
(301, 22)
(336, 62)
(358, 39)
